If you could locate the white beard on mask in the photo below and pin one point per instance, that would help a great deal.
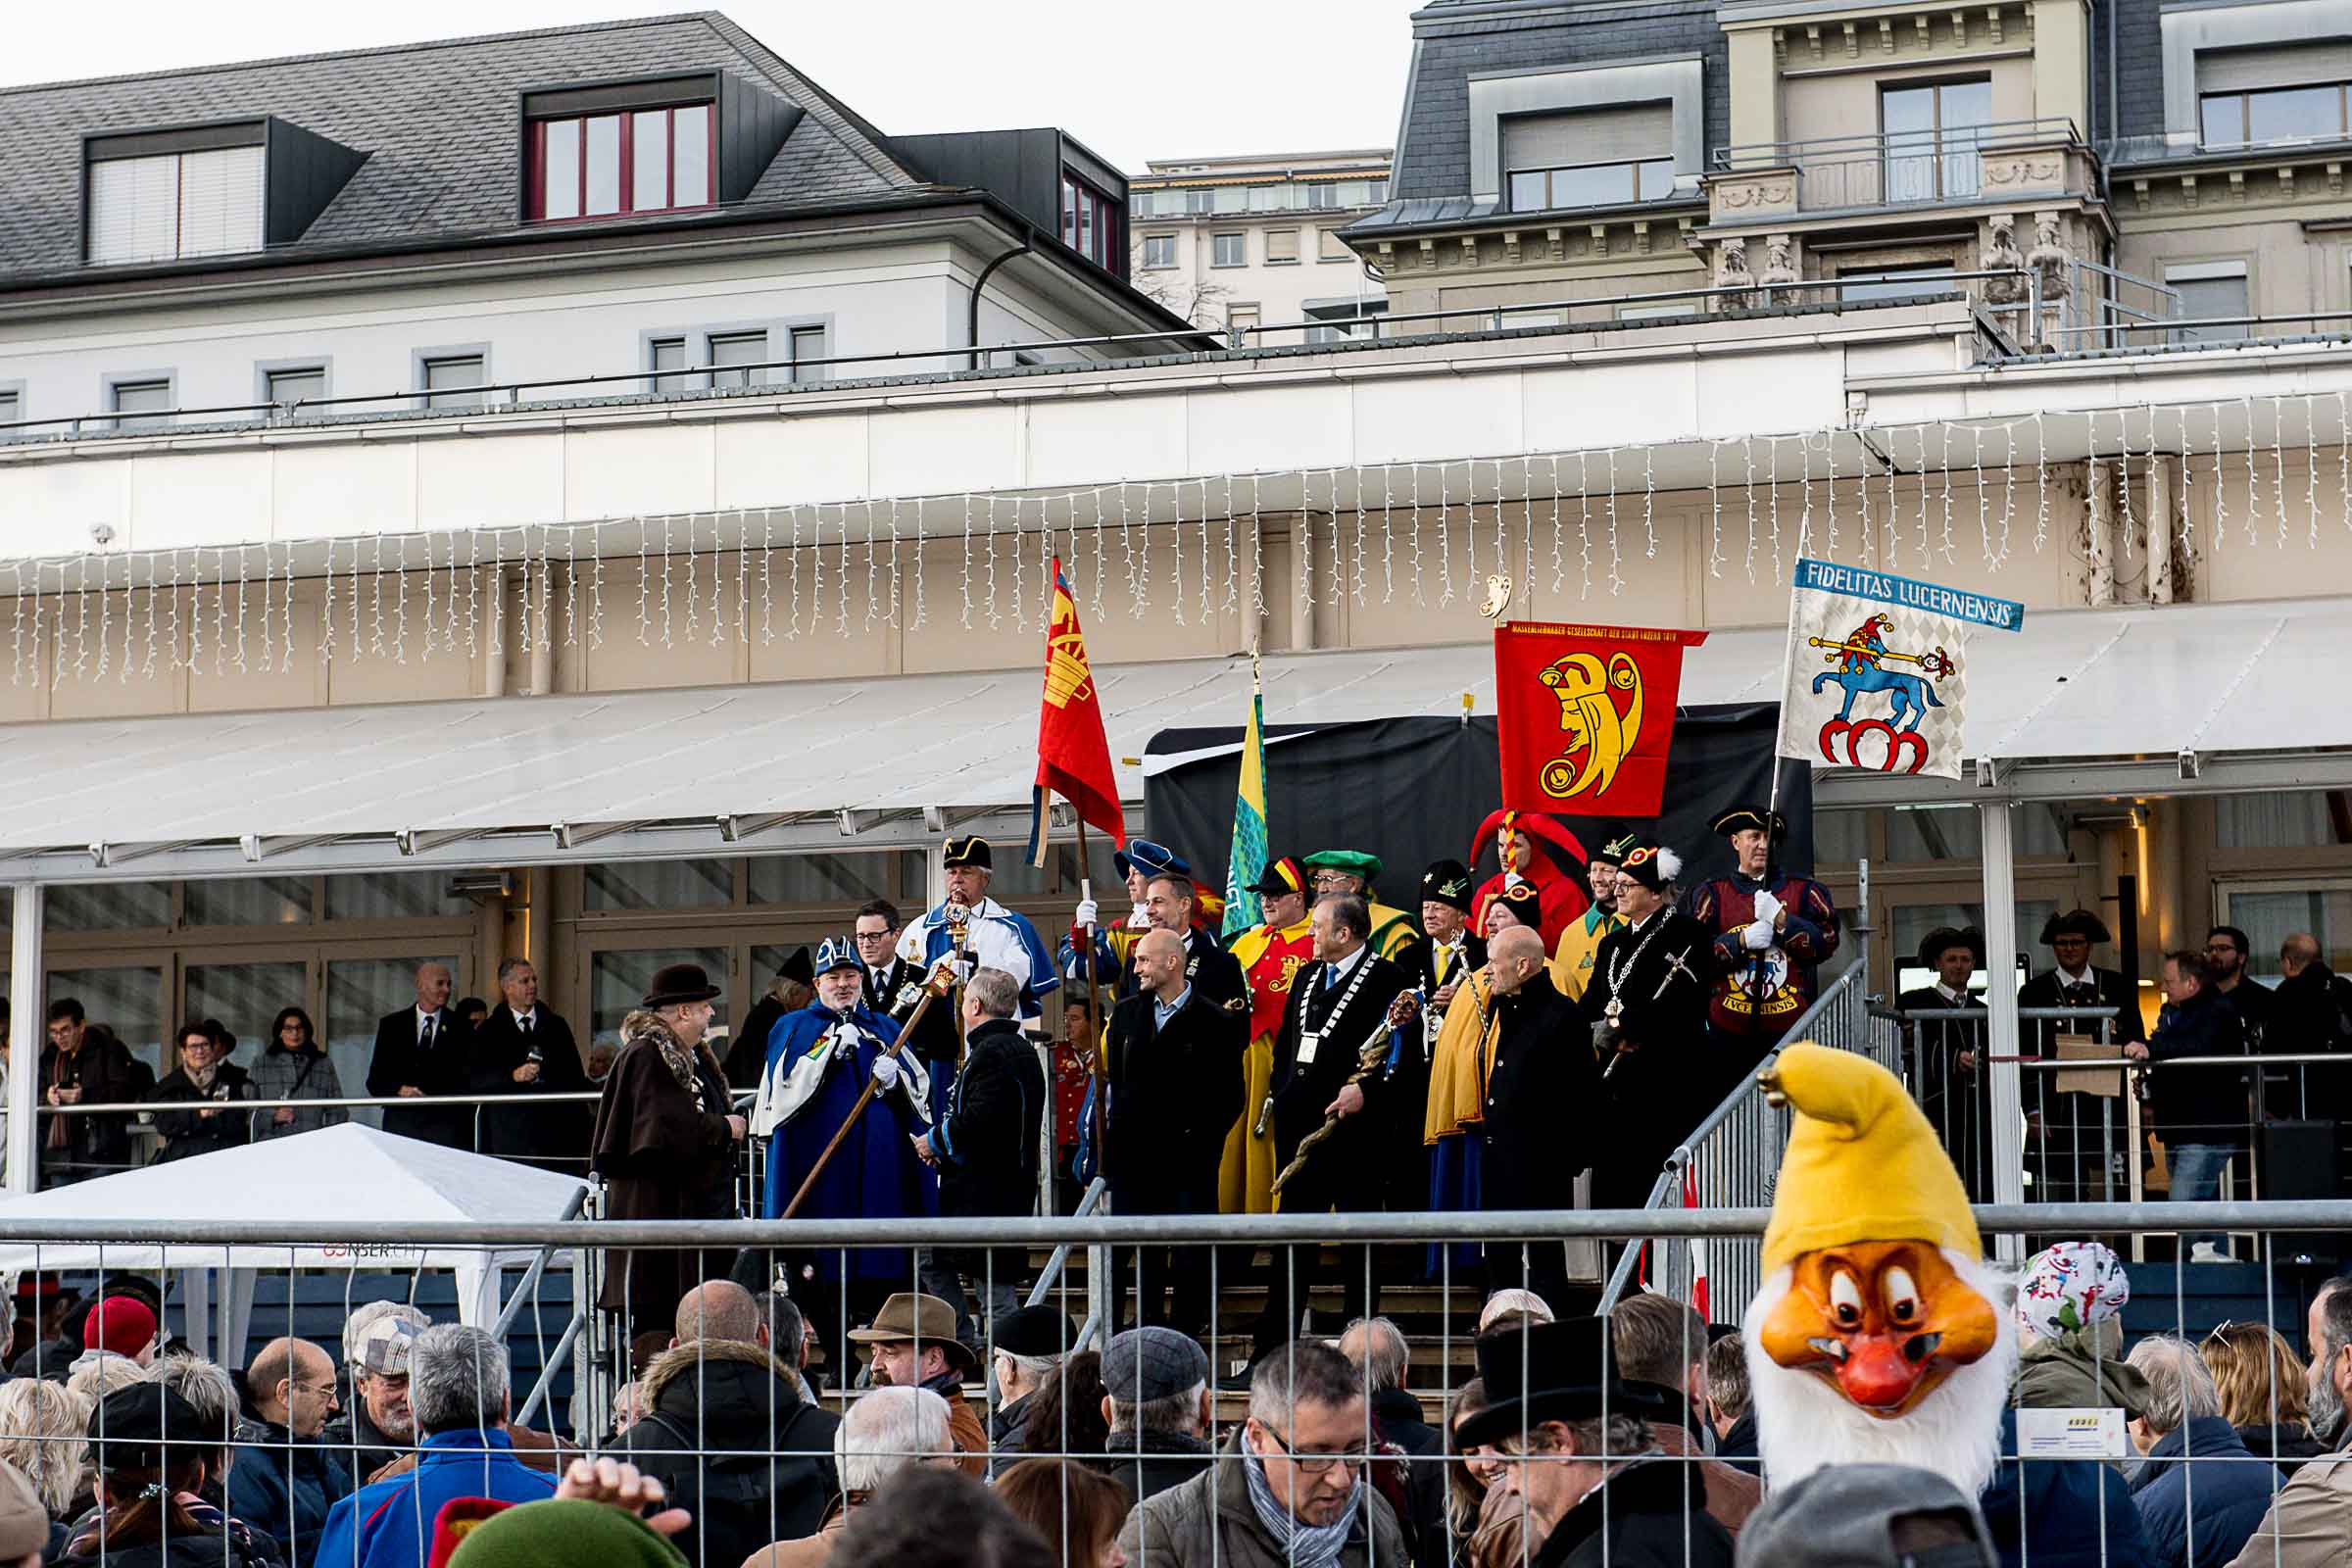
(1804, 1424)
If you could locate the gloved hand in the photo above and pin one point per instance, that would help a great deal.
(1087, 913)
(1768, 908)
(1756, 937)
(886, 1073)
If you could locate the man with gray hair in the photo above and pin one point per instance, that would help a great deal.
(887, 1430)
(1291, 1484)
(984, 1147)
(2191, 1520)
(1377, 1346)
(1156, 1403)
(458, 1392)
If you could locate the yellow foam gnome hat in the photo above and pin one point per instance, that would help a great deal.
(1862, 1164)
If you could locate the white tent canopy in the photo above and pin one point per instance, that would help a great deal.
(377, 1184)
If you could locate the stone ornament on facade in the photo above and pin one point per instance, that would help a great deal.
(2001, 255)
(1731, 273)
(1780, 261)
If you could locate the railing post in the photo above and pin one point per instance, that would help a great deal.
(25, 1031)
(2000, 995)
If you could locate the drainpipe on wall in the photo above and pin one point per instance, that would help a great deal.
(972, 332)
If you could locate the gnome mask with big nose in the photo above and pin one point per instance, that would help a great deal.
(1877, 1336)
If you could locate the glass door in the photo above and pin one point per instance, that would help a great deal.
(1932, 133)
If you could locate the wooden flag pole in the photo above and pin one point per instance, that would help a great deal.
(1094, 1024)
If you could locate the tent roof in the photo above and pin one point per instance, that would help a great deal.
(801, 764)
(375, 1183)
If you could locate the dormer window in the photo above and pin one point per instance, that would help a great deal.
(164, 195)
(605, 152)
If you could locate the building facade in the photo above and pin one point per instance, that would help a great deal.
(682, 662)
(1250, 244)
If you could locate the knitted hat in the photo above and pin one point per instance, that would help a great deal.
(552, 1533)
(2071, 1286)
(1525, 901)
(1652, 866)
(1862, 1163)
(123, 1324)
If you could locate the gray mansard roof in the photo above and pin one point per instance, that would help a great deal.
(439, 125)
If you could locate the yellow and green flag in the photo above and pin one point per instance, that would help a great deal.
(1246, 862)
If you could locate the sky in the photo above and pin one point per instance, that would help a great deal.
(1132, 81)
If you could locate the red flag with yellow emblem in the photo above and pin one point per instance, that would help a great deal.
(1073, 759)
(1585, 716)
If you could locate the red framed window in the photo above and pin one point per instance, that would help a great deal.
(1090, 220)
(636, 160)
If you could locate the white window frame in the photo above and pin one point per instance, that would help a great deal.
(425, 359)
(1500, 95)
(790, 338)
(120, 381)
(1168, 241)
(1216, 246)
(2213, 272)
(2187, 31)
(2262, 965)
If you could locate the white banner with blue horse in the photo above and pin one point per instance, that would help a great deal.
(1878, 668)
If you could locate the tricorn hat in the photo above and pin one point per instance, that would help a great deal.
(677, 982)
(971, 851)
(1151, 859)
(1447, 882)
(2075, 922)
(1934, 946)
(1740, 818)
(800, 966)
(1568, 1373)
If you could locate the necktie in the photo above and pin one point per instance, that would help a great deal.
(424, 1038)
(525, 1021)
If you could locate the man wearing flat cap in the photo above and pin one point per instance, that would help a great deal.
(1772, 933)
(1578, 1449)
(1270, 953)
(1156, 1403)
(665, 1139)
(1948, 1054)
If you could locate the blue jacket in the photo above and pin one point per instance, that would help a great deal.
(2214, 1511)
(390, 1524)
(2047, 1513)
(285, 1486)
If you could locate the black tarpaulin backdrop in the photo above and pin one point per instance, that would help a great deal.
(1413, 790)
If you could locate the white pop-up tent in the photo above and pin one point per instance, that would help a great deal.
(375, 1185)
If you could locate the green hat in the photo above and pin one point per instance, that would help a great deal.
(1356, 863)
(561, 1532)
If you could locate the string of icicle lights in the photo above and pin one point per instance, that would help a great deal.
(2240, 474)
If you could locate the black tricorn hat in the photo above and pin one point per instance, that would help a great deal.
(973, 851)
(1934, 946)
(800, 966)
(2079, 922)
(1569, 1373)
(1742, 817)
(678, 982)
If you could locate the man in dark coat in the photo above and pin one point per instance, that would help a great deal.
(1174, 1087)
(664, 1140)
(731, 1434)
(1596, 1492)
(421, 1052)
(283, 1480)
(84, 1065)
(1543, 1111)
(2311, 1014)
(2079, 1157)
(522, 1049)
(1351, 1002)
(1948, 1064)
(2201, 1113)
(985, 1144)
(1647, 1006)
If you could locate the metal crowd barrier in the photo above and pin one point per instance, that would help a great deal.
(1432, 1320)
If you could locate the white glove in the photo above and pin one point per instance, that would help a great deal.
(1757, 937)
(1087, 912)
(886, 1073)
(1768, 908)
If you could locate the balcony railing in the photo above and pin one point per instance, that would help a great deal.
(1898, 169)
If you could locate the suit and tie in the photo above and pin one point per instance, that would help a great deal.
(429, 1051)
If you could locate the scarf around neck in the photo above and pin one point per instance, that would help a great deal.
(1299, 1545)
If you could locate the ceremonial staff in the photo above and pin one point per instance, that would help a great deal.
(1369, 1057)
(936, 985)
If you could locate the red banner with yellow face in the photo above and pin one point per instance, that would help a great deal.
(1587, 713)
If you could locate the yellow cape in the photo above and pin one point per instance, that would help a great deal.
(1465, 1059)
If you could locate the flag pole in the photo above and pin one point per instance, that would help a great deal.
(1093, 1028)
